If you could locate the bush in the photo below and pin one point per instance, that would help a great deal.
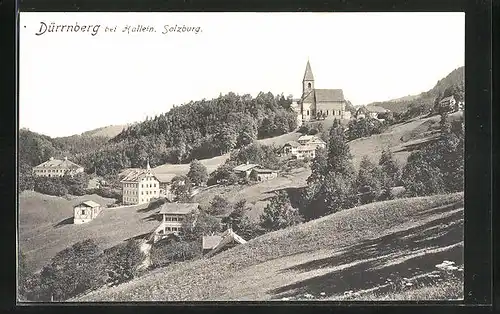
(164, 253)
(197, 173)
(119, 263)
(279, 213)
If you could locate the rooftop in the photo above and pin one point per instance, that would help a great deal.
(263, 170)
(209, 242)
(57, 163)
(292, 143)
(178, 208)
(376, 109)
(446, 99)
(245, 167)
(89, 204)
(325, 95)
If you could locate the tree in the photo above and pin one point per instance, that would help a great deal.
(420, 177)
(240, 223)
(223, 175)
(71, 272)
(319, 166)
(197, 173)
(181, 188)
(225, 139)
(219, 206)
(368, 181)
(196, 225)
(279, 213)
(339, 155)
(391, 172)
(120, 263)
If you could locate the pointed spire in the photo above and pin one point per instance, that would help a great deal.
(147, 166)
(308, 75)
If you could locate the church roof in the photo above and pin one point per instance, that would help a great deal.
(308, 75)
(323, 95)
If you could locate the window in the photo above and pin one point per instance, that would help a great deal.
(307, 112)
(327, 112)
(142, 192)
(83, 211)
(142, 185)
(309, 85)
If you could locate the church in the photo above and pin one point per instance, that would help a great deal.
(319, 104)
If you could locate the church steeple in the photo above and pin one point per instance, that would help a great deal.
(148, 168)
(308, 81)
(308, 75)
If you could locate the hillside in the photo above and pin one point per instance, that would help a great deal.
(46, 225)
(402, 138)
(453, 82)
(109, 131)
(370, 252)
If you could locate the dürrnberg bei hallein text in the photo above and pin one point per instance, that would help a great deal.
(94, 29)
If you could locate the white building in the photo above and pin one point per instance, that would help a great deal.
(57, 168)
(305, 147)
(140, 186)
(85, 212)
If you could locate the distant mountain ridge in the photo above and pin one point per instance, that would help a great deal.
(453, 83)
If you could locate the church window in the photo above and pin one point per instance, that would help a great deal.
(327, 112)
(307, 112)
(309, 85)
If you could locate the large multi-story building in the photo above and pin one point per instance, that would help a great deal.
(57, 168)
(140, 186)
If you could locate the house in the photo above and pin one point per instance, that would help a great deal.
(215, 244)
(321, 103)
(262, 174)
(449, 102)
(140, 186)
(317, 142)
(306, 151)
(85, 212)
(172, 215)
(244, 170)
(57, 168)
(370, 111)
(290, 148)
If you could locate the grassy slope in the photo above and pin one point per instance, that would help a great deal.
(367, 250)
(46, 225)
(109, 131)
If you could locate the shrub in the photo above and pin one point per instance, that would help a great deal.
(164, 253)
(279, 213)
(197, 173)
(119, 263)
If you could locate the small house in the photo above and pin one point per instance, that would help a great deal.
(290, 148)
(306, 151)
(216, 244)
(172, 216)
(317, 142)
(85, 212)
(244, 170)
(262, 174)
(449, 103)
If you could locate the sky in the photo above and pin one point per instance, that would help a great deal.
(72, 82)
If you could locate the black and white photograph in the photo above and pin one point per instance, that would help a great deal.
(238, 156)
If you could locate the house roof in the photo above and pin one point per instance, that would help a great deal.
(308, 74)
(89, 204)
(326, 95)
(306, 138)
(292, 143)
(245, 167)
(316, 141)
(57, 163)
(209, 242)
(377, 109)
(178, 208)
(447, 99)
(227, 237)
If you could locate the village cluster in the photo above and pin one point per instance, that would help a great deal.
(142, 186)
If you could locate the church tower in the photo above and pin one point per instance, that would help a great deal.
(308, 81)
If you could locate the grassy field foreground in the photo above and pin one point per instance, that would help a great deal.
(385, 250)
